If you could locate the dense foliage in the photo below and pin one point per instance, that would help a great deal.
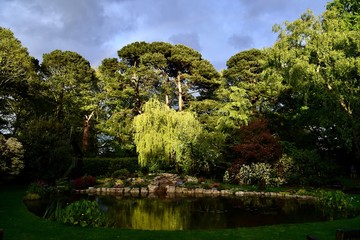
(11, 157)
(83, 213)
(289, 112)
(165, 137)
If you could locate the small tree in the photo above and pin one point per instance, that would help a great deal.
(164, 136)
(11, 157)
(256, 144)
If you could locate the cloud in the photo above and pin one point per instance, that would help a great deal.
(188, 39)
(84, 26)
(241, 42)
(97, 29)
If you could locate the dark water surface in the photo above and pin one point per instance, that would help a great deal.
(185, 213)
(206, 212)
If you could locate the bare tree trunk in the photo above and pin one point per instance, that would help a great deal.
(167, 90)
(135, 81)
(180, 93)
(86, 132)
(167, 99)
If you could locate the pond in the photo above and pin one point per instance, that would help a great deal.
(195, 213)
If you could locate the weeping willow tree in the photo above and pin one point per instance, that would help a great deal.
(166, 137)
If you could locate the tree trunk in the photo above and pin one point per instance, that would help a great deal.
(135, 80)
(180, 103)
(86, 132)
(167, 90)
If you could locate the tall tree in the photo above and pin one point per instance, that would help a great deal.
(192, 75)
(71, 83)
(174, 73)
(245, 70)
(17, 70)
(348, 10)
(246, 91)
(319, 60)
(71, 86)
(117, 105)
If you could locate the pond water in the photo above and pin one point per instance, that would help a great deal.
(184, 213)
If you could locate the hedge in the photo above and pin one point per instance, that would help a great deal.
(106, 166)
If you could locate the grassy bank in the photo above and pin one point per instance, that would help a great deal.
(19, 224)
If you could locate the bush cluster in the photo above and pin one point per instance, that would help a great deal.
(107, 166)
(84, 182)
(259, 173)
(83, 213)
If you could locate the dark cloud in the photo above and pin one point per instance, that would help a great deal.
(188, 39)
(81, 25)
(240, 42)
(97, 29)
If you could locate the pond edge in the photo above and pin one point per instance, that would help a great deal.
(174, 191)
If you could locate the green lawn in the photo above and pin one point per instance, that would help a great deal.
(19, 224)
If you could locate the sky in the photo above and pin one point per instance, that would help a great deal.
(97, 29)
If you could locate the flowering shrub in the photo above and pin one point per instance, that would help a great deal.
(284, 167)
(191, 179)
(257, 173)
(84, 182)
(226, 177)
(119, 183)
(11, 157)
(254, 173)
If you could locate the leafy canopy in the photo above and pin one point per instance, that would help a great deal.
(164, 136)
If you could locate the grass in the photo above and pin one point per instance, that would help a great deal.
(19, 224)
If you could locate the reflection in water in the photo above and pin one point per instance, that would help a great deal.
(143, 213)
(186, 213)
(205, 213)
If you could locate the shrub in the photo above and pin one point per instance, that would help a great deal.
(254, 173)
(256, 144)
(47, 154)
(107, 166)
(308, 168)
(121, 173)
(259, 173)
(32, 196)
(334, 200)
(106, 182)
(215, 185)
(40, 187)
(191, 185)
(226, 177)
(83, 213)
(11, 157)
(84, 182)
(139, 182)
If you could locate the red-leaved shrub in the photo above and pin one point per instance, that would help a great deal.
(256, 144)
(84, 182)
